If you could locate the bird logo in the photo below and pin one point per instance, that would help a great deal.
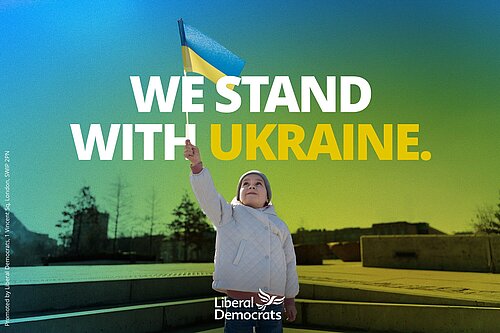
(267, 299)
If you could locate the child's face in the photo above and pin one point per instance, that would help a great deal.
(253, 191)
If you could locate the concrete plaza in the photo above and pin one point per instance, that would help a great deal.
(478, 288)
(335, 296)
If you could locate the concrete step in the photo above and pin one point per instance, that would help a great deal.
(52, 298)
(328, 315)
(37, 299)
(155, 317)
(327, 292)
(220, 329)
(408, 318)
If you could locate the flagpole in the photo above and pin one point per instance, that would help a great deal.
(184, 57)
(187, 117)
(183, 43)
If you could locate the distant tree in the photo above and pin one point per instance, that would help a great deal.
(487, 220)
(190, 225)
(121, 202)
(153, 201)
(83, 204)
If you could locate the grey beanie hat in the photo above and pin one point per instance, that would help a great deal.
(266, 183)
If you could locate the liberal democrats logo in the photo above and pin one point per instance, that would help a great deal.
(267, 299)
(248, 309)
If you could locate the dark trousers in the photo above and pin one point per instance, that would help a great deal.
(251, 322)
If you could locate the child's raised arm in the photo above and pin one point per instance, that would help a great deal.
(211, 202)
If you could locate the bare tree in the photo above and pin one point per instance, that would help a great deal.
(121, 203)
(153, 203)
(487, 220)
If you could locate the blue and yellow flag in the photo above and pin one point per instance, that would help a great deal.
(205, 56)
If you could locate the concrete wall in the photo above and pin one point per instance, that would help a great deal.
(437, 252)
(495, 253)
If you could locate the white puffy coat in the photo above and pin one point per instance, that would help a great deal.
(253, 247)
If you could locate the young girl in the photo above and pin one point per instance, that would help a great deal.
(254, 254)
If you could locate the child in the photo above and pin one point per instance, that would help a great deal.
(253, 251)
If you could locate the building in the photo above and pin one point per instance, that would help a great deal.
(404, 228)
(90, 232)
(174, 250)
(344, 243)
(303, 236)
(145, 245)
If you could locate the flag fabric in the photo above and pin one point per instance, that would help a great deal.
(204, 56)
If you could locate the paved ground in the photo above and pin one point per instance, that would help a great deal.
(483, 287)
(78, 273)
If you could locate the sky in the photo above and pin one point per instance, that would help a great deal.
(430, 63)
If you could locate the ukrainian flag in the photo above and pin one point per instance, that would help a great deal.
(205, 56)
